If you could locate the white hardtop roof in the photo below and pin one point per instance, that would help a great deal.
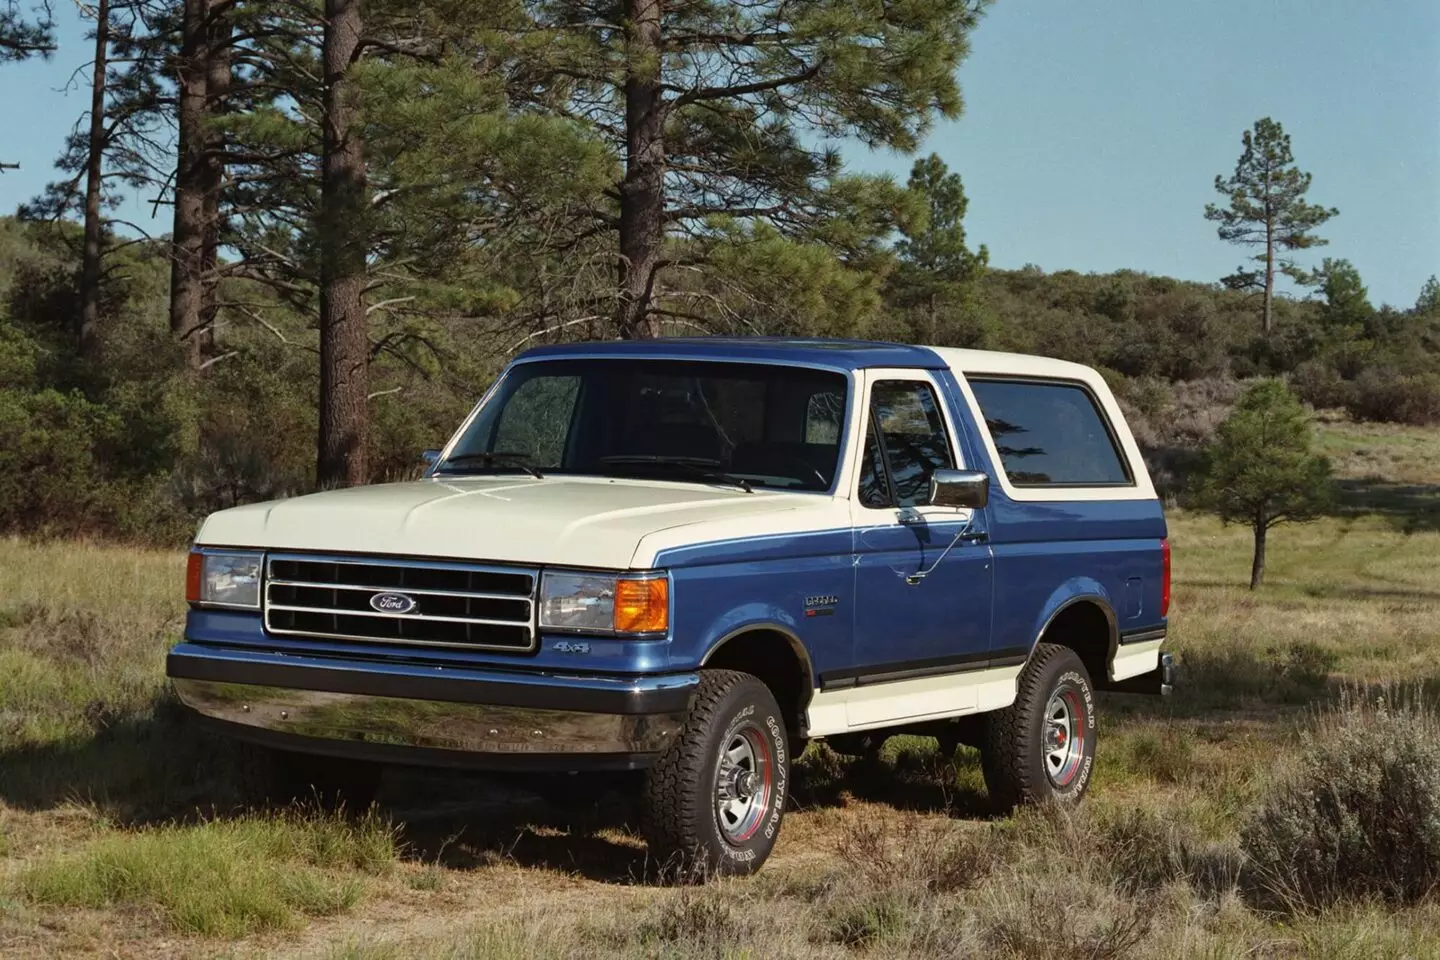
(1015, 364)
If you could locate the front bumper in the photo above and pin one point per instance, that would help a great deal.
(430, 715)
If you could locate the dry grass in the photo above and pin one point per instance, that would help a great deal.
(103, 853)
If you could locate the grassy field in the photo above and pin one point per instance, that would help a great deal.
(121, 836)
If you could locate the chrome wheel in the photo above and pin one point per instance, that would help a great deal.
(744, 785)
(1063, 736)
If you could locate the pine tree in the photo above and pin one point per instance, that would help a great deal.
(725, 112)
(22, 37)
(115, 145)
(188, 229)
(936, 267)
(1261, 471)
(1428, 303)
(1266, 208)
(439, 207)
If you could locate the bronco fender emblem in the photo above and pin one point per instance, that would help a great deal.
(392, 603)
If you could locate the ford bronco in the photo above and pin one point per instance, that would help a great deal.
(688, 558)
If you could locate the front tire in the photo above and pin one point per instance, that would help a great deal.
(1041, 748)
(713, 801)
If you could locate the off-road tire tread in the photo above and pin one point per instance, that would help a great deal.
(668, 820)
(1003, 757)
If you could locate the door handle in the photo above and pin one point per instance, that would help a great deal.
(979, 536)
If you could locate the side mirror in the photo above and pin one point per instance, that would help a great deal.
(959, 488)
(431, 457)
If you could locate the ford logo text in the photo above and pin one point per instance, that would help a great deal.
(392, 603)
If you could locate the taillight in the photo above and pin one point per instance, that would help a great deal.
(1164, 578)
(192, 577)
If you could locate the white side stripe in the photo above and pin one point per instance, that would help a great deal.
(870, 706)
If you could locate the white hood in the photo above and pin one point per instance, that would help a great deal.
(574, 521)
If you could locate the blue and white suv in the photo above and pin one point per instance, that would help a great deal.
(691, 557)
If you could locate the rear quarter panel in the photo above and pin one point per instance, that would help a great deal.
(1053, 546)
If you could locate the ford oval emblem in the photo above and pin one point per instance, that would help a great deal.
(392, 603)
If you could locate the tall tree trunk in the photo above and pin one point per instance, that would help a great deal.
(1269, 270)
(1257, 565)
(642, 193)
(187, 237)
(90, 258)
(344, 341)
(212, 176)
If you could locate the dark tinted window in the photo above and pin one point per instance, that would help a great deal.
(1049, 434)
(774, 426)
(912, 438)
(874, 485)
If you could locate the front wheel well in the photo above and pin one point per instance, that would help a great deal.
(1088, 628)
(778, 661)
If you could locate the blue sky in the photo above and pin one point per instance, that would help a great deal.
(1094, 130)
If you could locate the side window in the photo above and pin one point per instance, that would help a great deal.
(1050, 434)
(536, 420)
(910, 442)
(874, 484)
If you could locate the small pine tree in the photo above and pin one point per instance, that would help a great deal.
(1261, 469)
(1428, 302)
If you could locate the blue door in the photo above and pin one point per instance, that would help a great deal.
(908, 627)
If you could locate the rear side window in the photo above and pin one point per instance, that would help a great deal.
(1050, 434)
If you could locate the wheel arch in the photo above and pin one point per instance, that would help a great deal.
(1083, 620)
(775, 654)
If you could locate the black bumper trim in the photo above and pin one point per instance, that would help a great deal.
(1141, 636)
(919, 669)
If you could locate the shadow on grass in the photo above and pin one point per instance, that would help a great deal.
(136, 770)
(913, 777)
(163, 768)
(582, 825)
(1408, 508)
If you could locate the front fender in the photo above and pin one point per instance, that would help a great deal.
(743, 618)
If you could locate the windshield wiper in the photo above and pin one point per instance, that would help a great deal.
(491, 457)
(700, 467)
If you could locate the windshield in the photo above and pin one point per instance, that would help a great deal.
(745, 424)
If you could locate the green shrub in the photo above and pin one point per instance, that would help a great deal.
(1385, 397)
(1319, 384)
(1359, 819)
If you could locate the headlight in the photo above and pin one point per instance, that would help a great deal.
(605, 603)
(224, 579)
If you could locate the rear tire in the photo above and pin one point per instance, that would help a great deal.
(714, 800)
(1041, 748)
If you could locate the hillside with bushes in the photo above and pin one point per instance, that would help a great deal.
(134, 443)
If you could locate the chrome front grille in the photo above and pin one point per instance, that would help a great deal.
(397, 600)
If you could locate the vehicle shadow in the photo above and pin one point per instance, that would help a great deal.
(914, 778)
(472, 821)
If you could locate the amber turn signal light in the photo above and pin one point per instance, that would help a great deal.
(192, 576)
(642, 606)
